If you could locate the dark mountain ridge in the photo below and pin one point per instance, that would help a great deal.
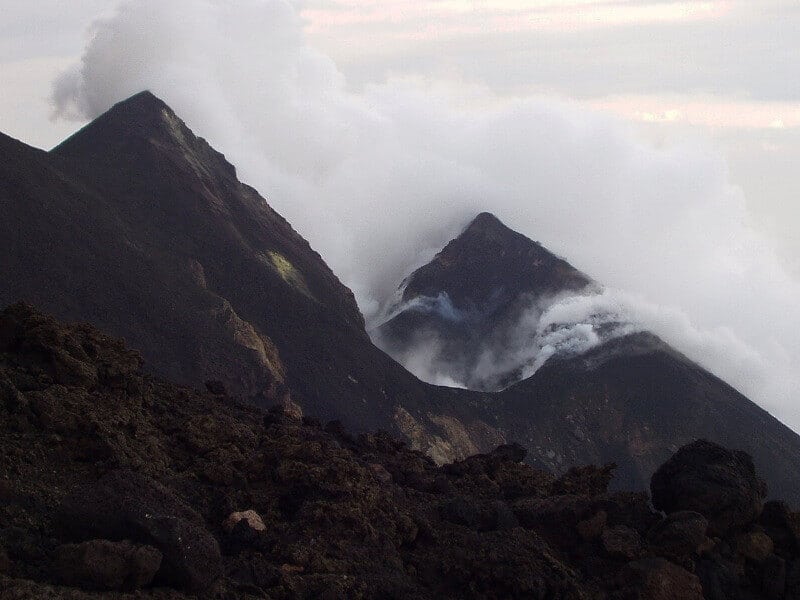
(471, 295)
(624, 397)
(138, 226)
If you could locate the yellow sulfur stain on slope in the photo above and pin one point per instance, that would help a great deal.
(288, 272)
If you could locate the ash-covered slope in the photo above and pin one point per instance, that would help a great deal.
(466, 303)
(592, 390)
(634, 400)
(138, 226)
(115, 484)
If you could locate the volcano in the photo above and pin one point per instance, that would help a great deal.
(139, 227)
(593, 390)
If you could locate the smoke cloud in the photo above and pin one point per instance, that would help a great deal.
(378, 180)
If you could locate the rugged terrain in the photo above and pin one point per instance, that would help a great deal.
(116, 484)
(139, 227)
(630, 398)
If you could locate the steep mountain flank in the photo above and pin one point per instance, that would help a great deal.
(634, 401)
(138, 226)
(116, 484)
(623, 397)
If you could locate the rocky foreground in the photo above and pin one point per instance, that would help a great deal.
(115, 484)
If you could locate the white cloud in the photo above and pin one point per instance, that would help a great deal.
(378, 180)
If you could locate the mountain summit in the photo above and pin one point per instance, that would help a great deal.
(140, 227)
(480, 315)
(470, 298)
(489, 266)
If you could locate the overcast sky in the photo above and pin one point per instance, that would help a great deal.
(652, 143)
(725, 70)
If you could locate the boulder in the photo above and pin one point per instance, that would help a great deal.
(591, 528)
(5, 563)
(721, 577)
(192, 559)
(115, 506)
(479, 515)
(774, 578)
(216, 387)
(250, 517)
(679, 535)
(782, 525)
(621, 542)
(755, 545)
(659, 579)
(380, 473)
(127, 505)
(589, 480)
(718, 483)
(106, 565)
(513, 453)
(286, 410)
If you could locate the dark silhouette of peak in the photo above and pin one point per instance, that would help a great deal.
(145, 131)
(474, 313)
(476, 285)
(139, 226)
(488, 225)
(140, 105)
(489, 265)
(142, 115)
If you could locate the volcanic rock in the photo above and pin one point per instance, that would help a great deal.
(105, 565)
(657, 579)
(118, 506)
(680, 535)
(718, 483)
(755, 545)
(621, 542)
(250, 517)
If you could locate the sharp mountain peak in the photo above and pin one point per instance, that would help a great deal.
(487, 229)
(134, 128)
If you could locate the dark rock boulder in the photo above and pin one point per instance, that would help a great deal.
(479, 515)
(585, 480)
(115, 506)
(659, 579)
(192, 559)
(782, 525)
(755, 545)
(773, 581)
(679, 536)
(216, 387)
(718, 483)
(621, 542)
(128, 505)
(106, 565)
(721, 577)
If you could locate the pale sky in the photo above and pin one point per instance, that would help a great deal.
(721, 70)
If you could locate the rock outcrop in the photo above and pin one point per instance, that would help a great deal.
(718, 483)
(128, 483)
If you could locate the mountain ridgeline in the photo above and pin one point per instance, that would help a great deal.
(140, 228)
